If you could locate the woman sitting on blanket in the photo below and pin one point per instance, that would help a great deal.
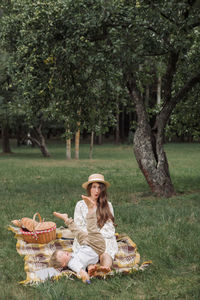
(96, 188)
(92, 244)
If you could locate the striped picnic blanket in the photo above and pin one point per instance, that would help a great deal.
(36, 257)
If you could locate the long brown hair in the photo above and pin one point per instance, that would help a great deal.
(103, 210)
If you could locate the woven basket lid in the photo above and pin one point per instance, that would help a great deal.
(28, 223)
(44, 225)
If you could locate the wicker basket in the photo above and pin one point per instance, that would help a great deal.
(43, 233)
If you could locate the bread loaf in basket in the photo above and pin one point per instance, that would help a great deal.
(36, 232)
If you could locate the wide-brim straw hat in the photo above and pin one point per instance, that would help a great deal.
(95, 178)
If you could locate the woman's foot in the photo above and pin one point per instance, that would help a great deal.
(63, 217)
(104, 270)
(96, 270)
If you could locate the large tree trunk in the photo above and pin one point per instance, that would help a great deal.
(148, 141)
(37, 138)
(5, 139)
(152, 161)
(148, 149)
(151, 157)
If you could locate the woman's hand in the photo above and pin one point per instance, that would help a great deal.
(89, 202)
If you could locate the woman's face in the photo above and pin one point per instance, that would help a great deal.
(95, 190)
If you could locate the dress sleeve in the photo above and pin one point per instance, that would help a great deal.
(79, 216)
(108, 230)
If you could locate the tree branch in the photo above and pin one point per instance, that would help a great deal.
(186, 88)
(168, 107)
(194, 25)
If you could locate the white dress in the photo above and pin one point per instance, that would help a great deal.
(107, 231)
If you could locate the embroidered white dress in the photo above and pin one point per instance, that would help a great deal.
(108, 230)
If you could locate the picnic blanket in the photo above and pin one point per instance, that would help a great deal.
(36, 257)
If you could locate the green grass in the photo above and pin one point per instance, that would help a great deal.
(165, 230)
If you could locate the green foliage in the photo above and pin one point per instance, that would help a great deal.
(184, 121)
(58, 72)
(6, 90)
(70, 61)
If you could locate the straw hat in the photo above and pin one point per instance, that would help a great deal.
(95, 178)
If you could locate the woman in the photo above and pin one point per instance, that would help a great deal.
(96, 188)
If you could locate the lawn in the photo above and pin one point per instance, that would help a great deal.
(166, 231)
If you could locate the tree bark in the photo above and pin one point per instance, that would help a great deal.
(148, 148)
(150, 154)
(152, 161)
(148, 141)
(68, 148)
(39, 140)
(77, 140)
(5, 139)
(68, 145)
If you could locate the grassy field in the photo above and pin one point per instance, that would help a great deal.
(166, 231)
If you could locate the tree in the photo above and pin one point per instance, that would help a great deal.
(138, 36)
(76, 60)
(22, 35)
(149, 138)
(134, 37)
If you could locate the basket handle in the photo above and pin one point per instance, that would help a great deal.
(40, 219)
